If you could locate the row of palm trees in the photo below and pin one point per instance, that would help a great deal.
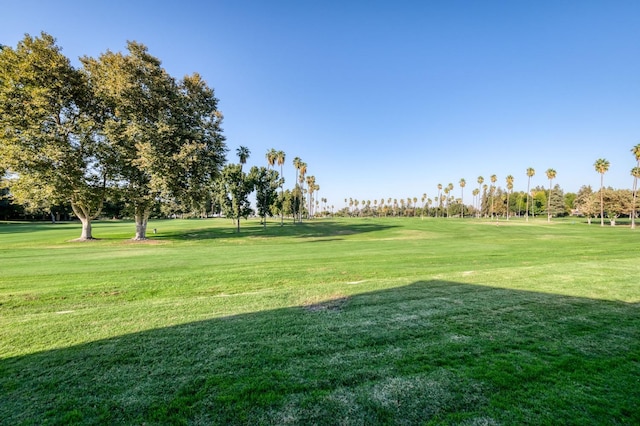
(278, 157)
(443, 199)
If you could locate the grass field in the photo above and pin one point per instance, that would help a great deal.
(351, 321)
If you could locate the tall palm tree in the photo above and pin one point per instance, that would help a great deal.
(602, 166)
(492, 189)
(280, 157)
(635, 173)
(271, 157)
(509, 180)
(480, 180)
(302, 172)
(475, 192)
(449, 189)
(243, 154)
(530, 173)
(462, 184)
(296, 165)
(438, 206)
(297, 162)
(551, 175)
(311, 187)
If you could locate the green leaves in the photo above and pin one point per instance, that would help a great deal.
(48, 138)
(121, 121)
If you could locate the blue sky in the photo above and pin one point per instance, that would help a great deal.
(388, 99)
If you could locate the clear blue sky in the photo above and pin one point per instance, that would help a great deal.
(388, 99)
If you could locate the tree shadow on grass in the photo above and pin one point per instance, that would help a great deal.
(320, 229)
(25, 227)
(440, 352)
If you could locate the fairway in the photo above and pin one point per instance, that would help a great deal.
(341, 321)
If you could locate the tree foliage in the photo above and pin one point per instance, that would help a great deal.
(233, 188)
(120, 122)
(266, 183)
(50, 130)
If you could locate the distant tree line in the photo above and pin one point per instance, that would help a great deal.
(491, 200)
(120, 137)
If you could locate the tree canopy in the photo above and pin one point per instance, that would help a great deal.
(50, 138)
(120, 122)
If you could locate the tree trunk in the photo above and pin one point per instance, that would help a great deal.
(633, 204)
(86, 229)
(85, 219)
(142, 218)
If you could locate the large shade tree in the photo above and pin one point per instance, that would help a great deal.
(165, 133)
(266, 183)
(233, 190)
(49, 123)
(586, 203)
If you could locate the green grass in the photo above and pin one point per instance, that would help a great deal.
(362, 321)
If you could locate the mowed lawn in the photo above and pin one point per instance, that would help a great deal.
(346, 321)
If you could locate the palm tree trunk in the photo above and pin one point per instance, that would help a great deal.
(601, 199)
(633, 203)
(549, 204)
(526, 215)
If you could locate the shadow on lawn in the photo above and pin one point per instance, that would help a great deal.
(309, 229)
(25, 227)
(431, 351)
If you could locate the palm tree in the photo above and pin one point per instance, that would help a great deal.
(475, 192)
(296, 165)
(243, 154)
(271, 157)
(480, 180)
(448, 189)
(530, 173)
(509, 190)
(438, 206)
(635, 173)
(492, 189)
(302, 172)
(462, 184)
(602, 166)
(280, 157)
(311, 185)
(551, 175)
